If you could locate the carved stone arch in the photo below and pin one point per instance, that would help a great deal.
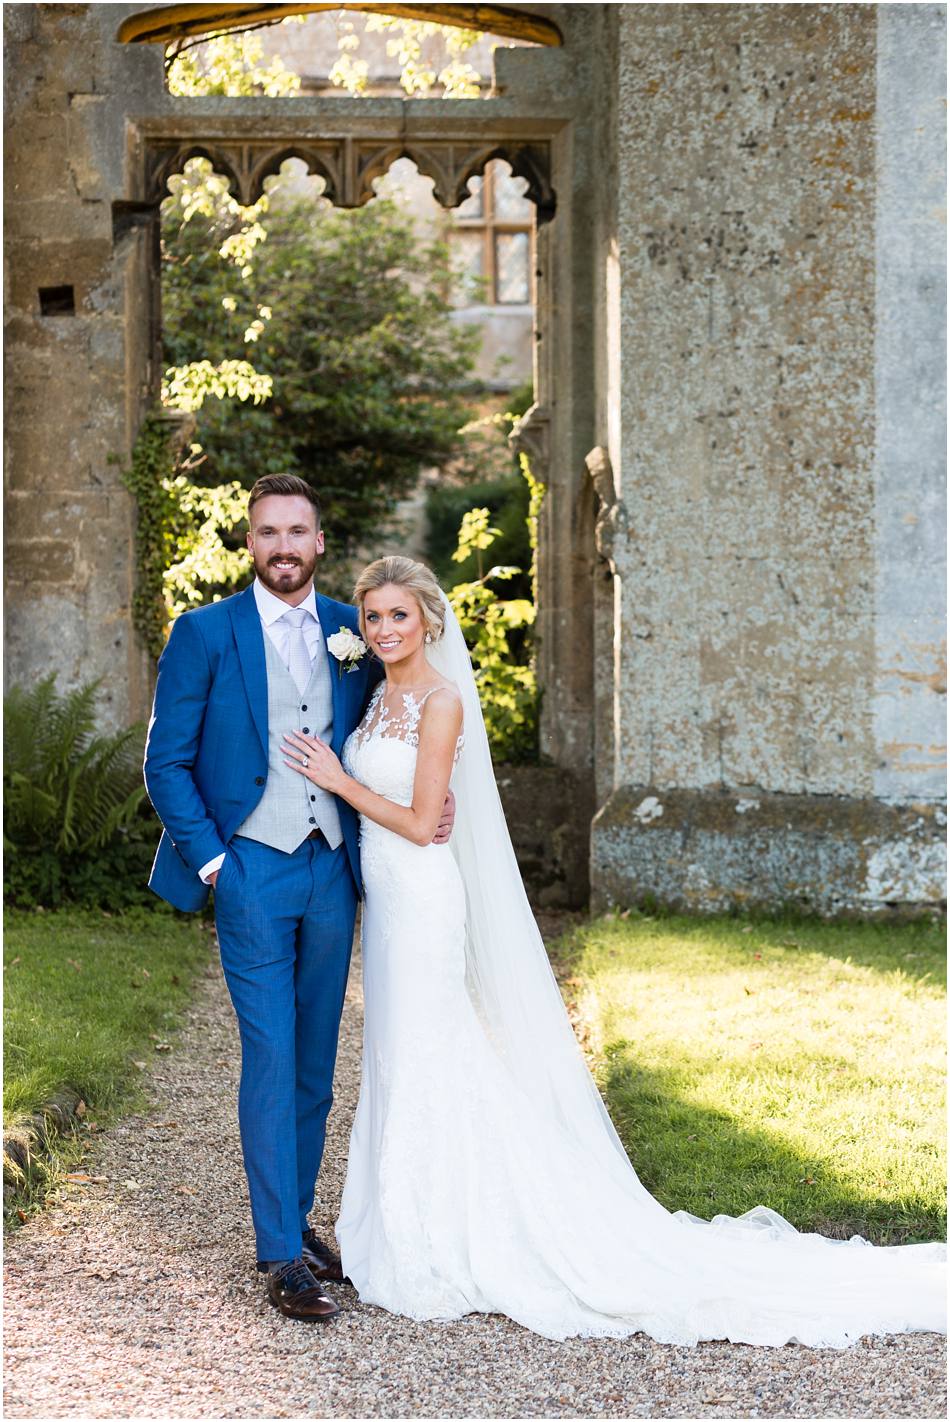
(526, 160)
(351, 165)
(372, 165)
(160, 24)
(451, 166)
(473, 166)
(167, 160)
(319, 161)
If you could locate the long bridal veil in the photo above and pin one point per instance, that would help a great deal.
(753, 1278)
(509, 975)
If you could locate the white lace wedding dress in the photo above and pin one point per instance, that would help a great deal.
(480, 1180)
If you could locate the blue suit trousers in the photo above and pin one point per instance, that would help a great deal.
(285, 929)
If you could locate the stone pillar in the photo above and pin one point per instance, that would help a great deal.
(79, 338)
(747, 628)
(557, 434)
(910, 656)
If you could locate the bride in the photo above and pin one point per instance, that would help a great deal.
(484, 1172)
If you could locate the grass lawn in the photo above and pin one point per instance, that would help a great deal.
(86, 995)
(798, 1065)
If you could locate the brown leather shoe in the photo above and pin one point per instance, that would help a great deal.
(295, 1291)
(321, 1260)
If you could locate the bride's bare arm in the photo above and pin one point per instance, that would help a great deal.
(439, 729)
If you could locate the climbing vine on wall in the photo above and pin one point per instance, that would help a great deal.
(180, 557)
(536, 492)
(147, 480)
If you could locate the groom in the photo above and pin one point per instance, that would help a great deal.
(281, 855)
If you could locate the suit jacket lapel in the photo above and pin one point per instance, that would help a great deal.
(249, 636)
(340, 729)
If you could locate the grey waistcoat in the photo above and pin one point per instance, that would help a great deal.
(291, 805)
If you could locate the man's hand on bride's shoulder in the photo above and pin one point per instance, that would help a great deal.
(444, 832)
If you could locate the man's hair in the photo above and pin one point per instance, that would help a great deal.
(287, 485)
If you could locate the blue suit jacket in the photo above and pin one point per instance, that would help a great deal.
(206, 754)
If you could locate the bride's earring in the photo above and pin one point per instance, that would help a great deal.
(428, 636)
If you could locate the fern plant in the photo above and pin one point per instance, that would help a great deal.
(71, 795)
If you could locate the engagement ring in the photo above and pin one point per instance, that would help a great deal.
(305, 762)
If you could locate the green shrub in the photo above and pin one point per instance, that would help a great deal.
(113, 878)
(76, 826)
(486, 474)
(507, 503)
(359, 374)
(491, 625)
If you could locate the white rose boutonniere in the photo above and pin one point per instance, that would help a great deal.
(348, 648)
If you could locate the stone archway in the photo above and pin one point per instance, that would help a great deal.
(96, 142)
(542, 128)
(160, 24)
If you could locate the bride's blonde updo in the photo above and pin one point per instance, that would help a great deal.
(416, 578)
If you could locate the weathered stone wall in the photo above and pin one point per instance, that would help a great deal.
(81, 112)
(910, 679)
(744, 460)
(549, 810)
(74, 382)
(739, 368)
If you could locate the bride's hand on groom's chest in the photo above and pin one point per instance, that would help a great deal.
(314, 759)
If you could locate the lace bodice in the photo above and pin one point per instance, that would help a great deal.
(403, 725)
(381, 752)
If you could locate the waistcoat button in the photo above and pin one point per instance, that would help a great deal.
(312, 820)
(306, 730)
(258, 780)
(303, 708)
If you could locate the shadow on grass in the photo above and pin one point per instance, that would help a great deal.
(692, 1157)
(916, 948)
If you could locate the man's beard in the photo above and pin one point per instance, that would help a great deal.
(288, 580)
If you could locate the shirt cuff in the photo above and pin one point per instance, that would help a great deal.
(206, 870)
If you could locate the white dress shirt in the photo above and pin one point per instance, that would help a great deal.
(271, 609)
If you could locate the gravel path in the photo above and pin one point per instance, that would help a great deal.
(137, 1297)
